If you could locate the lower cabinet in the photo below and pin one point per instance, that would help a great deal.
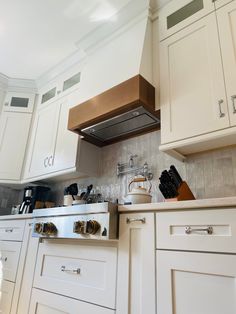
(48, 303)
(6, 292)
(196, 283)
(136, 265)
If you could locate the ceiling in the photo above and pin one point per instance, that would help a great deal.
(35, 35)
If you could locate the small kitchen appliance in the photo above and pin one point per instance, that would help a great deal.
(98, 221)
(33, 195)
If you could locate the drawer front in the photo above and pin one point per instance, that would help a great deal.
(83, 272)
(12, 230)
(202, 230)
(9, 258)
(6, 291)
(47, 303)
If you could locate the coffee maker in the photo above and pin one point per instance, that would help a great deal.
(32, 195)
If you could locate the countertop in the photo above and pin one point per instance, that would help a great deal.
(13, 217)
(211, 203)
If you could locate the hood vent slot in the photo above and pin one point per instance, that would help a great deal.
(125, 110)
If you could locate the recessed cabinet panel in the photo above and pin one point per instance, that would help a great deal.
(41, 156)
(6, 292)
(9, 257)
(193, 98)
(178, 14)
(14, 131)
(195, 283)
(226, 17)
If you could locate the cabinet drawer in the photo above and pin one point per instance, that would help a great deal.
(12, 230)
(6, 292)
(202, 230)
(9, 258)
(84, 272)
(47, 303)
(178, 14)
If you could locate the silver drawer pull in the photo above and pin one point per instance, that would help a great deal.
(4, 259)
(8, 230)
(233, 98)
(220, 102)
(71, 271)
(130, 220)
(189, 230)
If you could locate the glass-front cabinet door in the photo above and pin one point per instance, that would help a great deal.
(19, 102)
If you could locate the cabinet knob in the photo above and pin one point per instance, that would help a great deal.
(50, 161)
(6, 104)
(45, 162)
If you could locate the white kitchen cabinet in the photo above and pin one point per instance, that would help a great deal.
(193, 98)
(14, 131)
(54, 150)
(190, 282)
(6, 294)
(19, 102)
(178, 14)
(136, 264)
(226, 17)
(47, 303)
(220, 3)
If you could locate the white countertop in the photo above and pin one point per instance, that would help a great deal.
(225, 202)
(13, 217)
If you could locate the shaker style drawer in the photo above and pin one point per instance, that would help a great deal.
(12, 230)
(48, 303)
(201, 230)
(9, 258)
(81, 271)
(6, 291)
(178, 14)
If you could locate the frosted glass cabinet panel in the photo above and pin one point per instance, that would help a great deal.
(19, 102)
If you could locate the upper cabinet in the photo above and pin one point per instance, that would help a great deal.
(19, 102)
(14, 131)
(180, 13)
(54, 151)
(198, 90)
(220, 3)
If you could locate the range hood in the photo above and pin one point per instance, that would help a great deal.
(123, 111)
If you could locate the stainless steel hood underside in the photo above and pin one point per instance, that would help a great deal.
(123, 111)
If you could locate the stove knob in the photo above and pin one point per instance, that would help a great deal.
(49, 228)
(38, 227)
(92, 227)
(79, 227)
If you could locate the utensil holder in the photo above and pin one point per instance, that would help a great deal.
(185, 194)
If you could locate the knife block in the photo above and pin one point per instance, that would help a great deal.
(185, 194)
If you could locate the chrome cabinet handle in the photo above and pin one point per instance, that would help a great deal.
(6, 104)
(71, 271)
(45, 162)
(8, 230)
(208, 230)
(130, 220)
(4, 259)
(233, 97)
(220, 102)
(50, 161)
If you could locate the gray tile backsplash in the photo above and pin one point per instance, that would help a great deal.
(209, 174)
(8, 198)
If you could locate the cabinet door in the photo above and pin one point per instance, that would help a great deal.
(47, 303)
(19, 102)
(193, 98)
(66, 142)
(136, 265)
(178, 14)
(220, 3)
(6, 293)
(227, 29)
(41, 156)
(195, 283)
(14, 130)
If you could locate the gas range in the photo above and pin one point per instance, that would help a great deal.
(98, 221)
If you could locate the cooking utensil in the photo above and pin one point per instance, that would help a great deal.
(89, 189)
